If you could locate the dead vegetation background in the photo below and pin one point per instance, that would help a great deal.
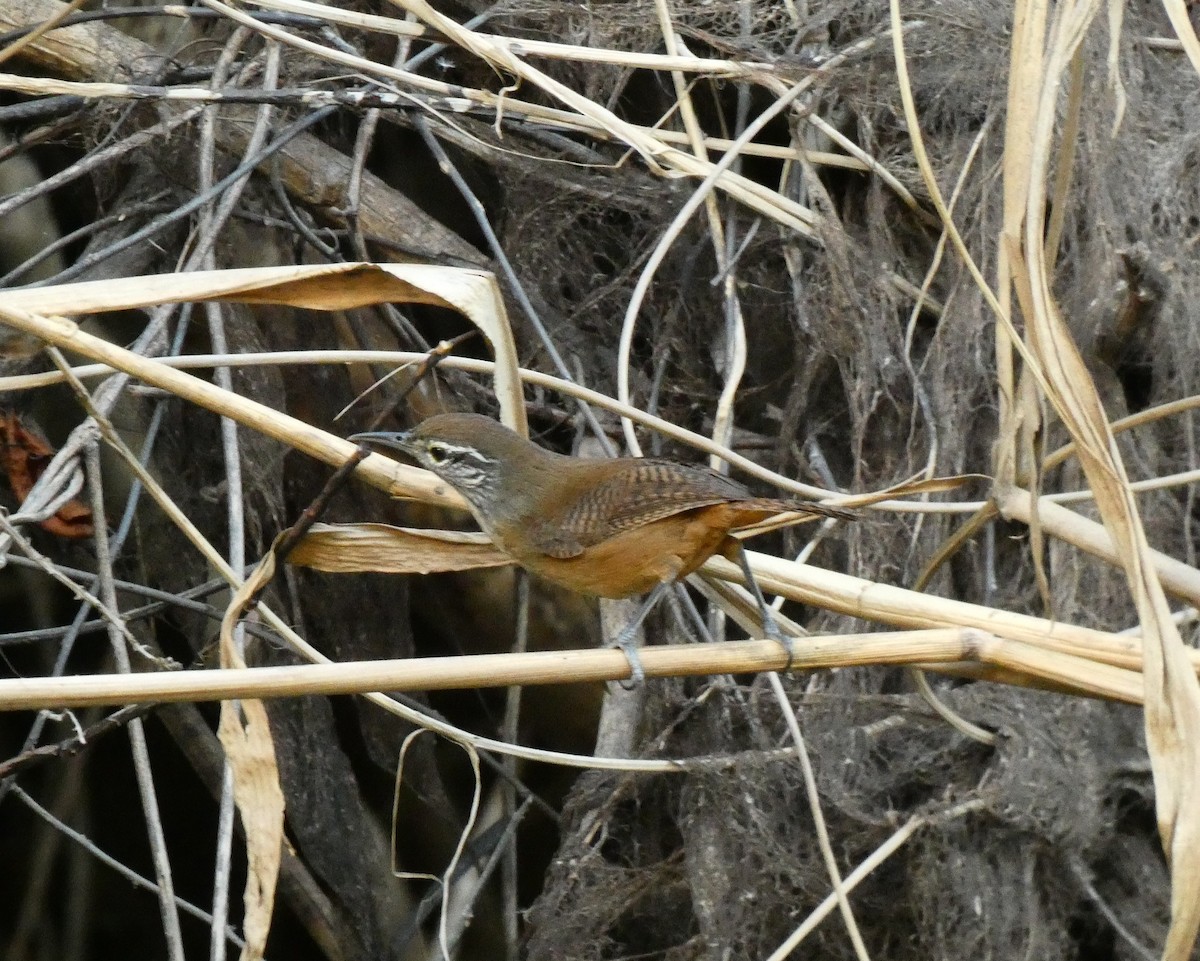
(869, 358)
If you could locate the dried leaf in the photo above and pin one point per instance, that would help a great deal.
(246, 735)
(349, 548)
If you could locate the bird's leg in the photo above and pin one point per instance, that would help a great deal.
(637, 673)
(769, 626)
(693, 614)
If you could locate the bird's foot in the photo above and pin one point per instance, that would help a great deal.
(627, 639)
(772, 632)
(766, 613)
(637, 673)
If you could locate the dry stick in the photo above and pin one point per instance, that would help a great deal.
(1110, 915)
(128, 211)
(97, 159)
(288, 540)
(33, 757)
(714, 173)
(513, 111)
(872, 165)
(52, 132)
(948, 646)
(1091, 537)
(65, 110)
(282, 139)
(110, 616)
(509, 274)
(810, 783)
(510, 730)
(19, 43)
(918, 677)
(470, 880)
(171, 10)
(433, 900)
(16, 638)
(617, 728)
(54, 489)
(130, 875)
(211, 222)
(504, 844)
(653, 150)
(137, 733)
(523, 45)
(126, 522)
(159, 599)
(814, 804)
(1007, 337)
(723, 431)
(1146, 416)
(859, 874)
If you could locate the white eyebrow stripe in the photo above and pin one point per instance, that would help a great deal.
(454, 448)
(460, 451)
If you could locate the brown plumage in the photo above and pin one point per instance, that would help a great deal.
(611, 528)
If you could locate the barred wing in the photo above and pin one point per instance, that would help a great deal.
(614, 505)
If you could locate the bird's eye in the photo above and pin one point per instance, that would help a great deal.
(439, 453)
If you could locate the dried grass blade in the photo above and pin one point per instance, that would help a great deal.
(348, 548)
(1172, 704)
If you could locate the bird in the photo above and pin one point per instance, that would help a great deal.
(610, 528)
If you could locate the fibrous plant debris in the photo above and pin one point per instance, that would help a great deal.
(813, 316)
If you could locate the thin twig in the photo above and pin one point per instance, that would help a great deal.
(510, 275)
(130, 875)
(211, 223)
(34, 757)
(282, 139)
(137, 733)
(818, 815)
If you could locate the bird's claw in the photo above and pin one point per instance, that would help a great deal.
(637, 673)
(772, 632)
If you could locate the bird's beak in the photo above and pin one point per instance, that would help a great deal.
(398, 440)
